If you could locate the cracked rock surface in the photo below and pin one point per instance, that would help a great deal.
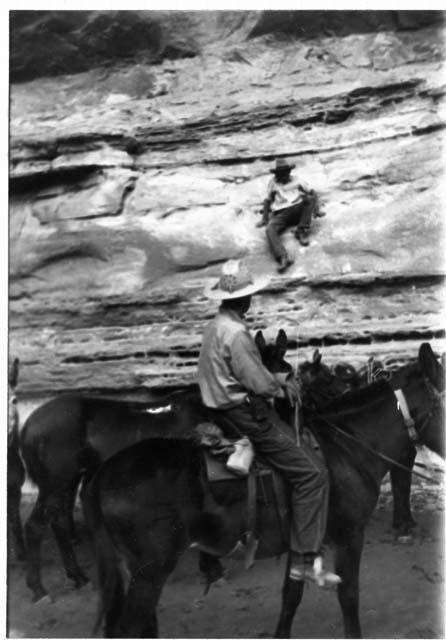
(131, 182)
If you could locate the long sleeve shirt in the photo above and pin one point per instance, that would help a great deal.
(229, 366)
(284, 194)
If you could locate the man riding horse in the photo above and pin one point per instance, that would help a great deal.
(236, 387)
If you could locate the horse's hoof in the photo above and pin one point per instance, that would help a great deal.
(43, 599)
(221, 582)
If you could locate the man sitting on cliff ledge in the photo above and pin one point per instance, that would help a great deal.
(289, 203)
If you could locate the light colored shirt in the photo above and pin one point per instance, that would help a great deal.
(283, 195)
(229, 366)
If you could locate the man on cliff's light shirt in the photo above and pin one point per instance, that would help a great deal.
(289, 203)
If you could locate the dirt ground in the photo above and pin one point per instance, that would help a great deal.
(402, 590)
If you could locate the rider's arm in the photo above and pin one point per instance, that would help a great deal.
(250, 371)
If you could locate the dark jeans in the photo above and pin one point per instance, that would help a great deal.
(302, 467)
(298, 215)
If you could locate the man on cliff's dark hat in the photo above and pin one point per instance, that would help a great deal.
(289, 203)
(282, 166)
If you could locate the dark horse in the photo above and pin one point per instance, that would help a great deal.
(324, 385)
(16, 470)
(143, 505)
(65, 440)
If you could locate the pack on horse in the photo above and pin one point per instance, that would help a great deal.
(65, 440)
(15, 469)
(145, 505)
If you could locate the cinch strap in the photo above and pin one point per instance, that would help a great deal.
(408, 420)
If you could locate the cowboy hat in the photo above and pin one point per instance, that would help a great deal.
(282, 165)
(235, 282)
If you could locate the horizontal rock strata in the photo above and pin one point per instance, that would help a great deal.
(124, 205)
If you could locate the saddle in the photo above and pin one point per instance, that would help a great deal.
(262, 488)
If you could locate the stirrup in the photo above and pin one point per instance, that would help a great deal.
(315, 574)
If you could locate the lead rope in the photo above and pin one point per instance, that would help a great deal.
(377, 453)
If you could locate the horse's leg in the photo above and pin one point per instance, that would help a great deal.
(14, 522)
(114, 611)
(74, 534)
(292, 593)
(401, 480)
(61, 519)
(347, 561)
(211, 567)
(138, 618)
(34, 530)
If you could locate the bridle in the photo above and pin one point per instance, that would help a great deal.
(414, 432)
(437, 403)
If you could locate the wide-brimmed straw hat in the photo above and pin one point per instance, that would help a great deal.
(235, 281)
(282, 165)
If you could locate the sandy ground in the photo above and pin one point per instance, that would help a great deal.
(402, 589)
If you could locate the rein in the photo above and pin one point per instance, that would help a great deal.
(376, 453)
(409, 422)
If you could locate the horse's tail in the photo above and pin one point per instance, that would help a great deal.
(110, 582)
(29, 453)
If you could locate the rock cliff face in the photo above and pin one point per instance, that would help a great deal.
(134, 178)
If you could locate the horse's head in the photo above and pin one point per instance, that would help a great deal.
(312, 370)
(320, 384)
(423, 385)
(13, 414)
(273, 355)
(347, 376)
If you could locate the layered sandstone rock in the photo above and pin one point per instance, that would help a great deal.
(130, 185)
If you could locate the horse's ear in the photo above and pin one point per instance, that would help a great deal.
(282, 341)
(260, 341)
(431, 367)
(13, 374)
(317, 357)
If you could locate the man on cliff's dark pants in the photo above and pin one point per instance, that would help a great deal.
(289, 203)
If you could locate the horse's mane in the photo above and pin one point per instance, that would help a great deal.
(344, 413)
(355, 401)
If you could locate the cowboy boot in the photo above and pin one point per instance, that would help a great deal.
(303, 235)
(284, 263)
